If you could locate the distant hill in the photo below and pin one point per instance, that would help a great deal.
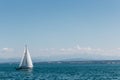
(10, 60)
(74, 59)
(62, 60)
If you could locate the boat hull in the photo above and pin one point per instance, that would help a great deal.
(24, 68)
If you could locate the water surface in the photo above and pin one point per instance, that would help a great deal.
(61, 71)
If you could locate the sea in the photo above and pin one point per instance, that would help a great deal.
(62, 71)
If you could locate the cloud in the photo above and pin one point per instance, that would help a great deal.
(7, 50)
(74, 51)
(70, 52)
(79, 49)
(81, 52)
(118, 48)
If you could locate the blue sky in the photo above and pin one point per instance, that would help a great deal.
(56, 29)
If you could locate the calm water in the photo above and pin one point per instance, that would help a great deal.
(62, 71)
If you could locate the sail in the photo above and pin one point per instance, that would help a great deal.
(26, 61)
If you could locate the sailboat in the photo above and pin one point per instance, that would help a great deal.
(26, 61)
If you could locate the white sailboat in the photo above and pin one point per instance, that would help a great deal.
(26, 62)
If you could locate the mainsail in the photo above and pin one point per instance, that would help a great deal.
(26, 61)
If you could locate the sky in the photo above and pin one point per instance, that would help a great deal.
(60, 29)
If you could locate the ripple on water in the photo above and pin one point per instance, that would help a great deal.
(63, 72)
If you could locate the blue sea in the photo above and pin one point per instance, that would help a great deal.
(61, 71)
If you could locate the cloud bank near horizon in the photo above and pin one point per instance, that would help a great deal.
(66, 53)
(81, 52)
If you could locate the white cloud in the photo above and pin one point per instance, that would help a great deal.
(77, 49)
(118, 48)
(62, 50)
(7, 49)
(82, 52)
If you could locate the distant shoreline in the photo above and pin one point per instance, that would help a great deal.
(78, 62)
